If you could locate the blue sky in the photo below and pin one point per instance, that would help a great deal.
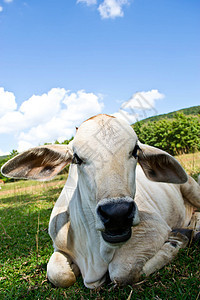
(63, 61)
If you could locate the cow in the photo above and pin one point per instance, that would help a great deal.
(122, 210)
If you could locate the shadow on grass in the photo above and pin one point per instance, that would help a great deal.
(48, 194)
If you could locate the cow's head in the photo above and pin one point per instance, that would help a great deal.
(106, 151)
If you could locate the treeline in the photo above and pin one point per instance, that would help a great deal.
(194, 110)
(178, 135)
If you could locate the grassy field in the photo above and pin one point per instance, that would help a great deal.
(25, 208)
(191, 163)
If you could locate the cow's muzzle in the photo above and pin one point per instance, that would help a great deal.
(117, 215)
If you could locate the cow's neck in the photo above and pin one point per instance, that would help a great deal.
(91, 253)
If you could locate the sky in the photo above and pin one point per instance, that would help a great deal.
(64, 61)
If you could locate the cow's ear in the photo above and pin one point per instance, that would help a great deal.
(159, 166)
(40, 163)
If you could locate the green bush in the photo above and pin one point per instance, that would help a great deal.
(176, 136)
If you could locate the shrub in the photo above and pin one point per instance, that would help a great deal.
(176, 136)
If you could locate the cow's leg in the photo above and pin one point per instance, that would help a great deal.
(151, 246)
(168, 251)
(61, 271)
(193, 229)
(195, 222)
(148, 237)
(178, 238)
(141, 260)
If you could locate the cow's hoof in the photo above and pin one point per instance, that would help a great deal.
(184, 231)
(178, 238)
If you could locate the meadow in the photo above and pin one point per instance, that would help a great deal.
(26, 247)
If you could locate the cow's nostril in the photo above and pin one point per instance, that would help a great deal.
(103, 215)
(131, 210)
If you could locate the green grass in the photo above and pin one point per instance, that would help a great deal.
(24, 217)
(12, 187)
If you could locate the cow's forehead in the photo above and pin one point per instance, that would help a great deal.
(106, 131)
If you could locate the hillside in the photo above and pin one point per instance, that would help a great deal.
(194, 110)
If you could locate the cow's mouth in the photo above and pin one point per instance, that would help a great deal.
(116, 236)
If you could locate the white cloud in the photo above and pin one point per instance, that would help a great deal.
(81, 103)
(126, 116)
(143, 100)
(108, 8)
(47, 117)
(41, 108)
(37, 109)
(6, 1)
(112, 8)
(23, 145)
(76, 107)
(7, 102)
(87, 2)
(138, 106)
(12, 122)
(3, 153)
(55, 114)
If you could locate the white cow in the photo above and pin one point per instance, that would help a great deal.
(113, 217)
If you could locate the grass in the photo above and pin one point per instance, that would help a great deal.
(26, 247)
(191, 163)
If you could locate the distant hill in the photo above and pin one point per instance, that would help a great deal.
(194, 110)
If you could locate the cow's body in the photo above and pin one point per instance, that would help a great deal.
(161, 207)
(104, 177)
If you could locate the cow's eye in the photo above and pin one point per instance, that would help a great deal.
(135, 151)
(76, 159)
